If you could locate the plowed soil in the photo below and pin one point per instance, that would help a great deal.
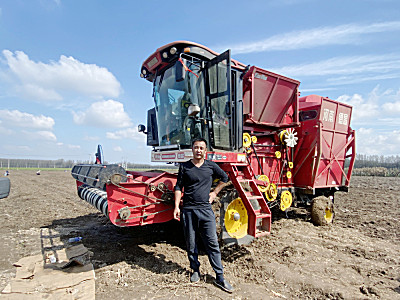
(355, 258)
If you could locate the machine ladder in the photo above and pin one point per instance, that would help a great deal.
(259, 214)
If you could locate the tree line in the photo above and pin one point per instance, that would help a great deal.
(373, 161)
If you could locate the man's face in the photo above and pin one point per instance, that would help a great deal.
(199, 149)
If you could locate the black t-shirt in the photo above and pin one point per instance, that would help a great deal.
(196, 182)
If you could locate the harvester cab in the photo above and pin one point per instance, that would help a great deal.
(196, 93)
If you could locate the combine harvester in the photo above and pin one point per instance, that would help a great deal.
(278, 150)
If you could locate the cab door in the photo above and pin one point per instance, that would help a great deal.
(218, 100)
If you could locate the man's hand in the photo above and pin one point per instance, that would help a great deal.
(212, 195)
(177, 213)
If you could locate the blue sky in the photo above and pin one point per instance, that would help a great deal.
(69, 70)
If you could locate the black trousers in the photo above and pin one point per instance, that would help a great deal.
(202, 222)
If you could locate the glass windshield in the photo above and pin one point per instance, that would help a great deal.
(172, 99)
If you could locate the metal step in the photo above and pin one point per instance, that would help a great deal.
(254, 197)
(262, 216)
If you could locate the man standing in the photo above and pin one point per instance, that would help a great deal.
(195, 178)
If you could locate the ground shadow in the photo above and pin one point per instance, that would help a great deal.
(111, 244)
(297, 213)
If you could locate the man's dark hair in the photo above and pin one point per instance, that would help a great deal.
(198, 140)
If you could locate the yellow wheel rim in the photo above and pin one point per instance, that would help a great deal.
(290, 164)
(286, 200)
(246, 140)
(236, 219)
(289, 174)
(263, 188)
(271, 192)
(278, 154)
(254, 139)
(328, 215)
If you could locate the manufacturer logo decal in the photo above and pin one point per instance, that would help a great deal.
(260, 76)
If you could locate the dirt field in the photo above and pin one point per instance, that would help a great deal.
(355, 258)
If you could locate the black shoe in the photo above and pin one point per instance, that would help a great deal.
(224, 285)
(195, 277)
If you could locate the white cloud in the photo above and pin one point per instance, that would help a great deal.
(372, 142)
(108, 113)
(376, 107)
(69, 146)
(5, 131)
(315, 90)
(73, 146)
(90, 138)
(117, 149)
(48, 81)
(392, 107)
(16, 118)
(362, 109)
(392, 103)
(128, 133)
(35, 92)
(305, 39)
(348, 65)
(42, 135)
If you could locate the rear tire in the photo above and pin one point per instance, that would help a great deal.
(322, 211)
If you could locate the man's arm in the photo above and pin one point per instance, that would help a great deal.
(217, 189)
(177, 211)
(178, 192)
(222, 183)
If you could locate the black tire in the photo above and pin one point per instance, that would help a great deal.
(322, 211)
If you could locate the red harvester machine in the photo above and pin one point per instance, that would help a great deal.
(278, 150)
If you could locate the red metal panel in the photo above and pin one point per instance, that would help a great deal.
(146, 206)
(324, 166)
(269, 99)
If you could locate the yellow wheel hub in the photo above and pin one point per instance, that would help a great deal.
(286, 200)
(278, 154)
(271, 192)
(246, 140)
(263, 188)
(236, 219)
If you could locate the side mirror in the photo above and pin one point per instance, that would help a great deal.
(142, 128)
(180, 71)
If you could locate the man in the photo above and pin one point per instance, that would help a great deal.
(195, 178)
